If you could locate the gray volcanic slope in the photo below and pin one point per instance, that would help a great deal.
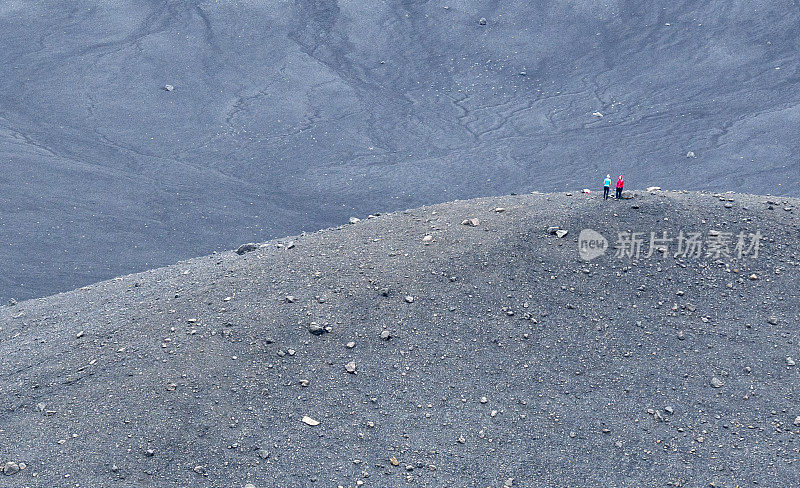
(512, 358)
(292, 116)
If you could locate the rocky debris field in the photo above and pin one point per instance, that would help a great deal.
(410, 350)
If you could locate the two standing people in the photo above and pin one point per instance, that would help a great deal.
(607, 186)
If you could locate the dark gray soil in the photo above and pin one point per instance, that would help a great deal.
(291, 116)
(483, 355)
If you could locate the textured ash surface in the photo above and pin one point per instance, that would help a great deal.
(184, 376)
(292, 116)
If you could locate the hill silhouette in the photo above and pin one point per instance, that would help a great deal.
(461, 344)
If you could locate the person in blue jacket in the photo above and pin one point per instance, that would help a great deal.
(606, 187)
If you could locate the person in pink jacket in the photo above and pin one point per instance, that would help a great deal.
(620, 185)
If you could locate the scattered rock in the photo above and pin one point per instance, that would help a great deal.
(354, 220)
(482, 21)
(471, 222)
(427, 239)
(500, 209)
(773, 320)
(797, 421)
(653, 188)
(169, 88)
(393, 460)
(560, 233)
(316, 329)
(263, 454)
(245, 248)
(309, 421)
(10, 468)
(409, 299)
(350, 367)
(690, 154)
(790, 361)
(716, 382)
(386, 335)
(12, 302)
(552, 229)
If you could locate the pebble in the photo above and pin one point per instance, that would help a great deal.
(386, 335)
(10, 468)
(350, 367)
(790, 361)
(309, 421)
(316, 329)
(169, 88)
(716, 382)
(354, 220)
(245, 248)
(263, 454)
(409, 299)
(797, 421)
(482, 21)
(471, 222)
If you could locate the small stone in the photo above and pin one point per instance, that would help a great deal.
(653, 188)
(428, 238)
(350, 345)
(10, 468)
(560, 233)
(245, 248)
(552, 229)
(386, 335)
(149, 453)
(461, 440)
(484, 399)
(79, 334)
(394, 461)
(753, 276)
(350, 367)
(249, 485)
(670, 410)
(290, 299)
(797, 421)
(201, 470)
(482, 21)
(263, 454)
(500, 209)
(471, 222)
(409, 299)
(169, 88)
(354, 220)
(12, 303)
(790, 361)
(773, 320)
(316, 329)
(716, 382)
(690, 154)
(309, 421)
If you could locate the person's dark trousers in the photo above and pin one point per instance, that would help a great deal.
(619, 193)
(605, 192)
